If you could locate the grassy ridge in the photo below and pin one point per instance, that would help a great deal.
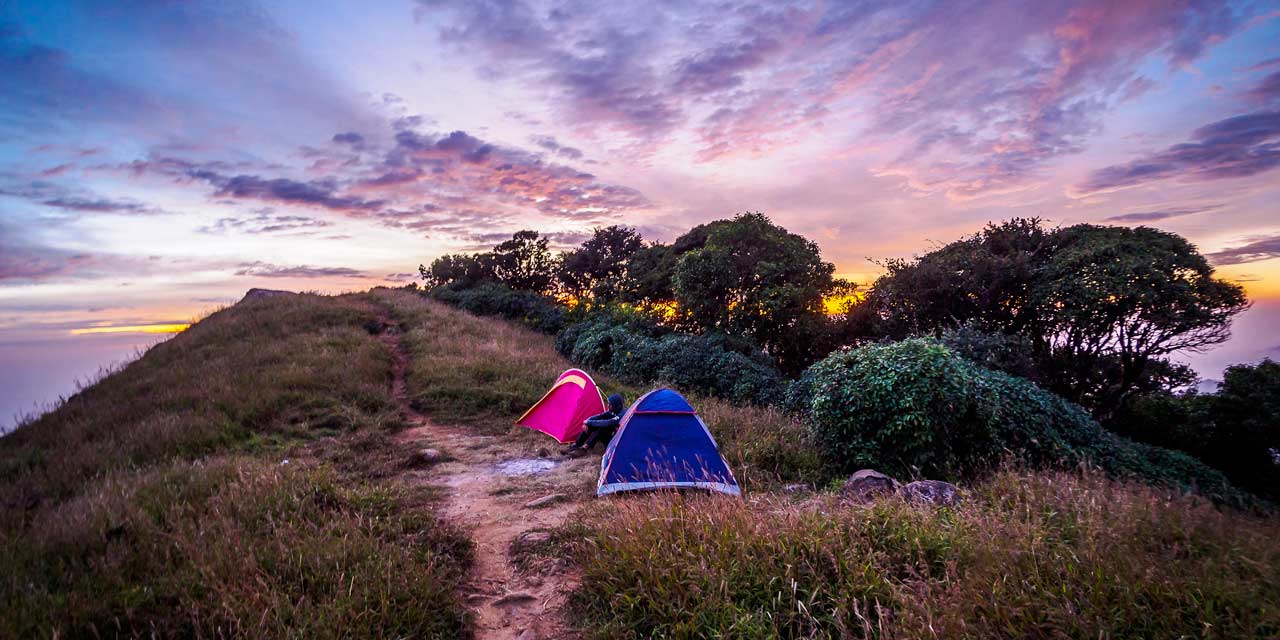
(156, 502)
(1030, 555)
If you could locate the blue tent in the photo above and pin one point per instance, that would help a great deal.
(661, 444)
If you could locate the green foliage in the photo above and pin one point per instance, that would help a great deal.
(491, 299)
(1043, 555)
(524, 262)
(598, 269)
(917, 408)
(712, 364)
(1090, 299)
(457, 271)
(753, 278)
(1237, 429)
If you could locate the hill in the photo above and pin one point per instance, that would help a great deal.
(309, 466)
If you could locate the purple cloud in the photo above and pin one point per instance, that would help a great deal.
(1239, 146)
(1006, 86)
(1162, 214)
(268, 270)
(1263, 248)
(98, 205)
(265, 222)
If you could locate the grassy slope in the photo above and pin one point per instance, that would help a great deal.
(170, 507)
(156, 501)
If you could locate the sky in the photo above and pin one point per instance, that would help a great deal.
(158, 159)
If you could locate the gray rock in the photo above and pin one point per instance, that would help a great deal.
(795, 488)
(532, 537)
(544, 501)
(425, 457)
(867, 485)
(931, 492)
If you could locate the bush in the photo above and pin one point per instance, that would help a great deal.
(489, 299)
(711, 364)
(915, 407)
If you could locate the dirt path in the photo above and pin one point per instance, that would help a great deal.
(490, 481)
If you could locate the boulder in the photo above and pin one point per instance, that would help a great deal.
(934, 492)
(424, 457)
(867, 485)
(795, 488)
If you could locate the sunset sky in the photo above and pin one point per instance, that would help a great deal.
(159, 159)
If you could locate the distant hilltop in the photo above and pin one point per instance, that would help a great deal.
(255, 293)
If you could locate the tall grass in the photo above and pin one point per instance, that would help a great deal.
(156, 502)
(1029, 555)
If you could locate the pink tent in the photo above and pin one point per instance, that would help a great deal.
(559, 414)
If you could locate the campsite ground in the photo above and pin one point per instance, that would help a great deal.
(263, 475)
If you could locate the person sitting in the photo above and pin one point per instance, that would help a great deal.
(600, 427)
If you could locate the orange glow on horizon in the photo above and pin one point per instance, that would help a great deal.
(136, 328)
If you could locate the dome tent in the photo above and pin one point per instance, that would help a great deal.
(663, 444)
(560, 413)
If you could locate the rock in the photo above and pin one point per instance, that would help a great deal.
(527, 634)
(931, 492)
(515, 597)
(529, 538)
(476, 598)
(425, 457)
(544, 501)
(544, 452)
(795, 488)
(867, 485)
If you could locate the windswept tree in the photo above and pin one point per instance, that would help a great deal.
(458, 271)
(755, 279)
(598, 269)
(524, 262)
(1103, 307)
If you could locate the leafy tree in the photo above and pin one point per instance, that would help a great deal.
(598, 269)
(1102, 306)
(651, 270)
(1119, 299)
(457, 271)
(524, 262)
(755, 279)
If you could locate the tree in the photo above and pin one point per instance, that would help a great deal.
(1119, 300)
(1102, 306)
(457, 271)
(524, 262)
(598, 269)
(651, 270)
(755, 279)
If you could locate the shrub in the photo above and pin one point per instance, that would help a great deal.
(917, 408)
(490, 299)
(711, 364)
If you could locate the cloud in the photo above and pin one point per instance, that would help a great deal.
(1260, 248)
(268, 270)
(265, 222)
(99, 205)
(1162, 214)
(1239, 146)
(1268, 90)
(551, 144)
(982, 94)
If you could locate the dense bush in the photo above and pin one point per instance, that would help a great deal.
(490, 299)
(1236, 429)
(712, 364)
(915, 407)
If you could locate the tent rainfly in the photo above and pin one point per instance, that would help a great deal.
(663, 444)
(560, 413)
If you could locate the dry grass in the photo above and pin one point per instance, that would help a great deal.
(155, 502)
(1029, 555)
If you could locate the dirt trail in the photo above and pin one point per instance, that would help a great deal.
(487, 500)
